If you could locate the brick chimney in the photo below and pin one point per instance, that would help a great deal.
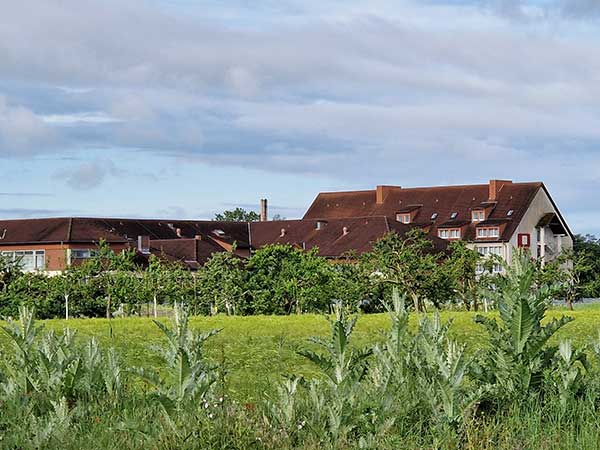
(383, 191)
(264, 216)
(494, 188)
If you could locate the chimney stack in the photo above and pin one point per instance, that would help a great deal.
(264, 216)
(143, 244)
(383, 191)
(494, 188)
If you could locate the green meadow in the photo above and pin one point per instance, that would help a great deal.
(260, 351)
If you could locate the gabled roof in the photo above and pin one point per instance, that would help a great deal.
(443, 200)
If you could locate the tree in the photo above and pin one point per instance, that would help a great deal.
(221, 284)
(461, 267)
(410, 263)
(283, 279)
(238, 215)
(586, 251)
(160, 282)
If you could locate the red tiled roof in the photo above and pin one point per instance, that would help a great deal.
(362, 233)
(443, 200)
(185, 250)
(91, 230)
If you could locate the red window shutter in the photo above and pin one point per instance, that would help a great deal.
(524, 240)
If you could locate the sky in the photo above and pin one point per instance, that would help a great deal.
(185, 108)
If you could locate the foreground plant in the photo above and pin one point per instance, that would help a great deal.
(518, 353)
(189, 376)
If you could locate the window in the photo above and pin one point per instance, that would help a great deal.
(454, 215)
(524, 240)
(403, 218)
(493, 232)
(510, 212)
(434, 216)
(449, 233)
(82, 253)
(29, 260)
(492, 250)
(478, 216)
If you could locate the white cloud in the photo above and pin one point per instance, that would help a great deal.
(22, 132)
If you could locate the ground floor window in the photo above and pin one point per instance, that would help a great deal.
(28, 260)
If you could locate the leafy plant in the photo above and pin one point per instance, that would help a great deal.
(518, 353)
(189, 376)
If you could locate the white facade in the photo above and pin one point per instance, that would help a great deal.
(544, 243)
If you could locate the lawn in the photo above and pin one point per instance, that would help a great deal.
(259, 351)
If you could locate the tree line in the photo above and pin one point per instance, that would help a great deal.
(283, 279)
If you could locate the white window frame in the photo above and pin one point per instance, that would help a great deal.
(403, 218)
(478, 215)
(35, 254)
(489, 232)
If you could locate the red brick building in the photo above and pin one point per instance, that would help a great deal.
(493, 218)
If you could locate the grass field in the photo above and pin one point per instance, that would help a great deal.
(260, 350)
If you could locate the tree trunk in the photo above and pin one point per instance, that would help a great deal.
(155, 304)
(67, 306)
(108, 307)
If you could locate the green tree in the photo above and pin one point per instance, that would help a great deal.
(221, 284)
(461, 267)
(284, 279)
(238, 215)
(411, 263)
(586, 254)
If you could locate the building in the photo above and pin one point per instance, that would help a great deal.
(52, 244)
(493, 218)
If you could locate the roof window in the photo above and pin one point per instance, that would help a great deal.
(434, 216)
(454, 215)
(218, 232)
(510, 212)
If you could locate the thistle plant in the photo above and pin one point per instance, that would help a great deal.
(518, 354)
(189, 376)
(335, 398)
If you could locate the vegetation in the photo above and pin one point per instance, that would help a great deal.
(282, 279)
(396, 382)
(238, 215)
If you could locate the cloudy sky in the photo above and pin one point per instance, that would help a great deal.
(183, 108)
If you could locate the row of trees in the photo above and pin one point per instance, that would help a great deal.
(277, 279)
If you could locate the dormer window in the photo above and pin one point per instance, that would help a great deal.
(454, 215)
(478, 215)
(403, 217)
(449, 233)
(491, 232)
